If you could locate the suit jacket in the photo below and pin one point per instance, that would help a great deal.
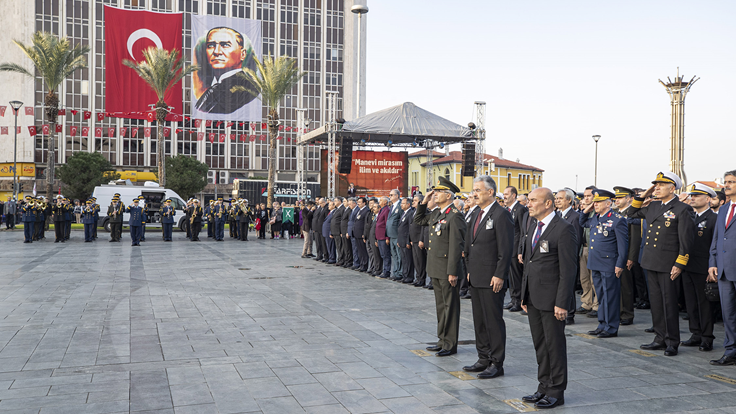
(220, 98)
(490, 251)
(609, 241)
(670, 233)
(416, 232)
(404, 222)
(370, 228)
(635, 234)
(315, 225)
(351, 213)
(518, 213)
(335, 226)
(705, 224)
(360, 220)
(307, 219)
(723, 247)
(381, 223)
(548, 277)
(392, 221)
(573, 217)
(327, 225)
(446, 240)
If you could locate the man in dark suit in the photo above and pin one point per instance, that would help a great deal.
(335, 227)
(407, 261)
(489, 251)
(549, 267)
(375, 262)
(392, 232)
(307, 218)
(667, 247)
(382, 238)
(348, 221)
(722, 268)
(518, 212)
(330, 252)
(696, 271)
(446, 240)
(358, 234)
(418, 249)
(563, 203)
(317, 228)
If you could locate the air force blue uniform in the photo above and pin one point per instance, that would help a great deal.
(29, 220)
(167, 221)
(88, 219)
(220, 213)
(136, 223)
(609, 246)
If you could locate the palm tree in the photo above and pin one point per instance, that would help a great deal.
(273, 81)
(54, 59)
(161, 69)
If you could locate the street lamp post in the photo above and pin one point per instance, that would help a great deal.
(16, 106)
(360, 10)
(596, 138)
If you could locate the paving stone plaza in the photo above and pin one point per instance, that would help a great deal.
(250, 327)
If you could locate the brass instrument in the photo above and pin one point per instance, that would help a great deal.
(194, 213)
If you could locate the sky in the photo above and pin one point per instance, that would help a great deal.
(555, 73)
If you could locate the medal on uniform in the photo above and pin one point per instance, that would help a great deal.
(437, 229)
(667, 223)
(605, 233)
(700, 233)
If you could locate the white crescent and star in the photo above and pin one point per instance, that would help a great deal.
(143, 34)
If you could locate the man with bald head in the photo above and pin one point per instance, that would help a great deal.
(549, 255)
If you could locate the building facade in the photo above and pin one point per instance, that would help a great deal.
(505, 172)
(321, 34)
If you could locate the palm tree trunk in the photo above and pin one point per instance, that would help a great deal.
(161, 146)
(52, 111)
(272, 133)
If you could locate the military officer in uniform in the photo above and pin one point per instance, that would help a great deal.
(609, 248)
(444, 256)
(96, 208)
(115, 213)
(220, 213)
(58, 212)
(28, 216)
(696, 272)
(210, 219)
(68, 214)
(667, 246)
(233, 213)
(167, 220)
(144, 216)
(246, 215)
(88, 219)
(623, 201)
(38, 226)
(135, 221)
(196, 218)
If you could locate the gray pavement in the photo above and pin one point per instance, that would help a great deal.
(233, 327)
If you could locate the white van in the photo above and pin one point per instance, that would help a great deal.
(154, 195)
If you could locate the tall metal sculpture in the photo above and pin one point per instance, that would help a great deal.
(678, 91)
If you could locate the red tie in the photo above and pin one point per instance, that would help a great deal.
(477, 222)
(730, 215)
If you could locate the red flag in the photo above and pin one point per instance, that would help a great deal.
(3, 130)
(86, 114)
(263, 137)
(232, 137)
(178, 130)
(29, 110)
(62, 112)
(208, 123)
(281, 127)
(222, 137)
(288, 129)
(229, 124)
(85, 131)
(74, 112)
(263, 125)
(2, 110)
(212, 137)
(45, 129)
(252, 125)
(200, 136)
(147, 132)
(219, 123)
(197, 123)
(98, 132)
(100, 116)
(123, 130)
(243, 137)
(167, 131)
(133, 132)
(32, 130)
(176, 118)
(252, 138)
(110, 132)
(73, 131)
(20, 129)
(150, 116)
(59, 128)
(127, 34)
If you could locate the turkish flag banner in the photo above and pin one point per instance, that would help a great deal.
(123, 130)
(200, 136)
(127, 34)
(100, 116)
(59, 128)
(150, 116)
(110, 132)
(98, 132)
(74, 112)
(147, 132)
(3, 130)
(212, 137)
(229, 124)
(29, 110)
(133, 132)
(243, 137)
(32, 130)
(73, 131)
(62, 112)
(85, 131)
(2, 110)
(167, 131)
(87, 114)
(197, 123)
(45, 129)
(222, 137)
(208, 123)
(232, 137)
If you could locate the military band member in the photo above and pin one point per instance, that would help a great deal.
(88, 219)
(167, 220)
(38, 226)
(188, 218)
(210, 219)
(115, 213)
(68, 217)
(233, 219)
(245, 216)
(28, 216)
(196, 219)
(96, 208)
(220, 213)
(609, 248)
(58, 210)
(667, 246)
(444, 254)
(696, 272)
(135, 221)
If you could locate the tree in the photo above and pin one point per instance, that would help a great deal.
(187, 176)
(161, 69)
(274, 80)
(83, 172)
(54, 59)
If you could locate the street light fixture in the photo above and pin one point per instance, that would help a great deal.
(596, 138)
(16, 106)
(360, 10)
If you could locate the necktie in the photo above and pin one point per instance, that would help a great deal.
(508, 209)
(730, 215)
(539, 233)
(477, 223)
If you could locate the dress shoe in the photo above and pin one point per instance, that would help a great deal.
(605, 334)
(592, 314)
(56, 241)
(670, 351)
(434, 348)
(582, 310)
(477, 367)
(705, 347)
(725, 360)
(570, 320)
(533, 398)
(626, 322)
(691, 342)
(596, 331)
(549, 402)
(407, 281)
(649, 330)
(508, 305)
(420, 285)
(445, 352)
(465, 296)
(491, 372)
(653, 346)
(304, 256)
(430, 287)
(515, 308)
(643, 305)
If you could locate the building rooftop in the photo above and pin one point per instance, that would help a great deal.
(457, 156)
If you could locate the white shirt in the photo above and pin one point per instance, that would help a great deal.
(470, 212)
(396, 205)
(546, 222)
(224, 76)
(511, 207)
(563, 213)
